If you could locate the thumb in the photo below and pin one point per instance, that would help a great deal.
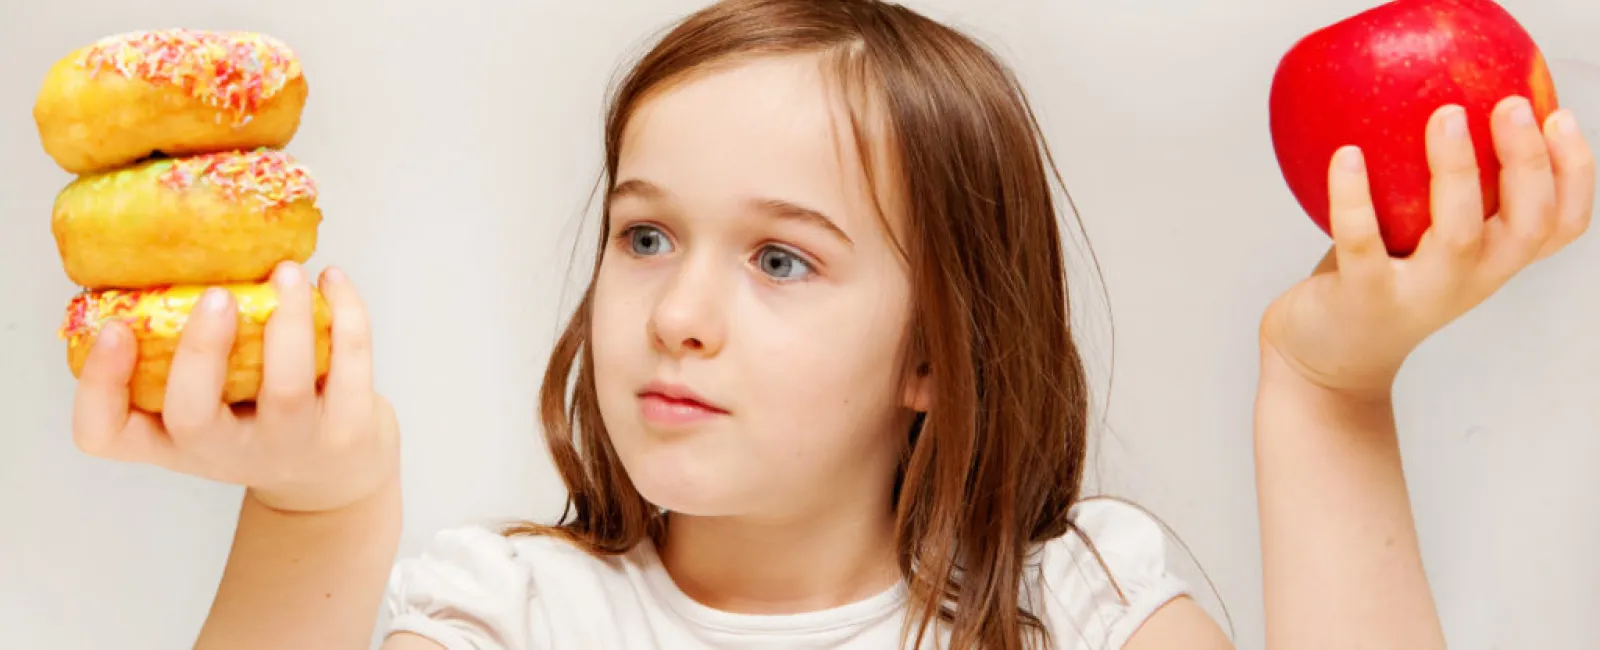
(103, 423)
(101, 406)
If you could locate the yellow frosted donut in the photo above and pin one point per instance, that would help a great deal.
(156, 318)
(175, 92)
(209, 219)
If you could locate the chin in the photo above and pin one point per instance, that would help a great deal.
(686, 488)
(685, 474)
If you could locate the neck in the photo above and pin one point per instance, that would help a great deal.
(783, 566)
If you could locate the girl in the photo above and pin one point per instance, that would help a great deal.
(822, 392)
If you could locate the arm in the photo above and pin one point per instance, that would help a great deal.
(320, 521)
(1342, 566)
(1180, 624)
(305, 580)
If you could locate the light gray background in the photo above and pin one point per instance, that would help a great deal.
(457, 144)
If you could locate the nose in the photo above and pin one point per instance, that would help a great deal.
(688, 316)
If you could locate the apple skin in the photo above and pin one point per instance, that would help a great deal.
(1374, 79)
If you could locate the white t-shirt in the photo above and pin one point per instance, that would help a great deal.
(473, 589)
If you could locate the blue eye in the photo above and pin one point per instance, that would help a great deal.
(645, 240)
(782, 264)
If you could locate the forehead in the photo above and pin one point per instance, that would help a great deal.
(770, 127)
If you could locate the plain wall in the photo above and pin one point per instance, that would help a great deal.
(457, 144)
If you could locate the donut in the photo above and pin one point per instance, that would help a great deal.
(156, 317)
(207, 219)
(174, 92)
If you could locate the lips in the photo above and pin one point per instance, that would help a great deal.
(675, 406)
(680, 396)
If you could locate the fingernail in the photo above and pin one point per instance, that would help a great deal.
(1350, 159)
(1455, 123)
(1522, 113)
(108, 338)
(333, 275)
(1566, 123)
(215, 300)
(288, 275)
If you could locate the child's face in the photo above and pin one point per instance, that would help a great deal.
(747, 264)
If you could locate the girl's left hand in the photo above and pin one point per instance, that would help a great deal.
(1350, 326)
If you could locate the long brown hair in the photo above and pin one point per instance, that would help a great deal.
(993, 468)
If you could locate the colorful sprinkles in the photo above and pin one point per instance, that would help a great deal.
(235, 72)
(269, 176)
(89, 310)
(159, 311)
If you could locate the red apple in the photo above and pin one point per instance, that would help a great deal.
(1374, 79)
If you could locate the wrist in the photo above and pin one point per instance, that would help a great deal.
(1294, 413)
(332, 501)
(1279, 373)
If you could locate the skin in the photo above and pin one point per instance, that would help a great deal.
(1342, 566)
(695, 301)
(791, 325)
(320, 520)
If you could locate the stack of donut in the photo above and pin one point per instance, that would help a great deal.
(176, 138)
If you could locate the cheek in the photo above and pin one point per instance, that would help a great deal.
(835, 372)
(616, 327)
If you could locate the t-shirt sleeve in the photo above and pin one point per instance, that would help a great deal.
(466, 591)
(1096, 603)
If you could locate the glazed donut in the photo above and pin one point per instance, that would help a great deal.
(174, 92)
(156, 318)
(207, 219)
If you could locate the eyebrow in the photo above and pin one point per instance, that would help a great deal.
(775, 208)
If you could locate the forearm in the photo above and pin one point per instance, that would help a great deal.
(305, 580)
(1343, 567)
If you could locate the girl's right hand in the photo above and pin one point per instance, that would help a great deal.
(296, 450)
(1352, 324)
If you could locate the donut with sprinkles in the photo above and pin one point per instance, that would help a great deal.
(156, 318)
(211, 218)
(171, 92)
(177, 141)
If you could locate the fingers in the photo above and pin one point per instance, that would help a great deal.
(1574, 166)
(350, 370)
(1454, 240)
(289, 372)
(193, 404)
(1527, 218)
(100, 406)
(1357, 242)
(102, 423)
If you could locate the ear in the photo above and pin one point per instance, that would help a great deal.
(919, 389)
